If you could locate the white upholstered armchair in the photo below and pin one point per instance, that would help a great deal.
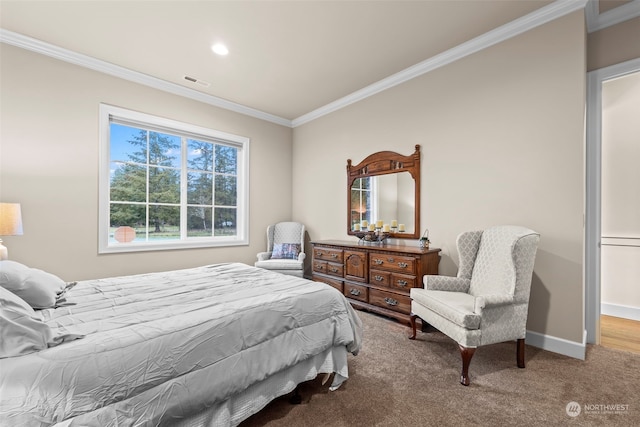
(488, 301)
(285, 249)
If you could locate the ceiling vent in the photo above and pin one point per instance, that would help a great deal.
(196, 81)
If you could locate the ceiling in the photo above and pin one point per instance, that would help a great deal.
(287, 58)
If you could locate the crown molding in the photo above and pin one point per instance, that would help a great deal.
(539, 17)
(59, 53)
(597, 21)
(534, 19)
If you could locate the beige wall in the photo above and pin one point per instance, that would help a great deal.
(49, 163)
(613, 45)
(502, 136)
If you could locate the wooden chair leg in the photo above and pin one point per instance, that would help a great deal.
(412, 319)
(467, 354)
(520, 353)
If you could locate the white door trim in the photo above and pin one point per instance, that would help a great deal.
(593, 199)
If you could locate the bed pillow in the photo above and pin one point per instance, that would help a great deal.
(285, 251)
(38, 288)
(21, 332)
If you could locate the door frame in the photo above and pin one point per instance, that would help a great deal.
(593, 190)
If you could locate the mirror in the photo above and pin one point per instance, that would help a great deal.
(384, 189)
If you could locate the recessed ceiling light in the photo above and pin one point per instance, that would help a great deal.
(220, 49)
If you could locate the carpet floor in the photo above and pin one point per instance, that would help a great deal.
(394, 381)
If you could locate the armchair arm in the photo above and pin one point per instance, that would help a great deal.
(301, 256)
(263, 256)
(488, 301)
(446, 283)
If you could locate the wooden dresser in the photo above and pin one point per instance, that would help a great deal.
(376, 278)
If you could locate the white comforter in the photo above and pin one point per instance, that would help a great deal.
(161, 346)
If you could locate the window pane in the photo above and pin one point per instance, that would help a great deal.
(225, 222)
(226, 191)
(127, 144)
(360, 201)
(199, 188)
(226, 159)
(164, 185)
(366, 183)
(366, 204)
(199, 223)
(164, 222)
(164, 150)
(125, 215)
(128, 182)
(200, 155)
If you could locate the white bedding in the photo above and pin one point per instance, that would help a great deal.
(163, 346)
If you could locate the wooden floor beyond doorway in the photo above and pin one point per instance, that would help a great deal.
(619, 333)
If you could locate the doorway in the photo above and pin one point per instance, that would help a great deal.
(605, 241)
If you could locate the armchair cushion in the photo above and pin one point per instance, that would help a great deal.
(457, 307)
(285, 251)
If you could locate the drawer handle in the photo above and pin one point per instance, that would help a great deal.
(334, 255)
(390, 301)
(378, 261)
(379, 278)
(403, 265)
(333, 269)
(403, 282)
(354, 292)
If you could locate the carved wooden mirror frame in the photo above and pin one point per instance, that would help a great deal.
(383, 163)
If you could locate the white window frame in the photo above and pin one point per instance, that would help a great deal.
(107, 112)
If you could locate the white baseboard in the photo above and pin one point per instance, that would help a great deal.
(558, 345)
(618, 310)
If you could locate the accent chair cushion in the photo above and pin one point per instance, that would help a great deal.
(454, 306)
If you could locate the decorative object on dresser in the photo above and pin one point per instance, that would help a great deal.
(424, 240)
(488, 301)
(384, 185)
(285, 249)
(374, 278)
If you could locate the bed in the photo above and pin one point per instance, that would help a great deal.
(210, 345)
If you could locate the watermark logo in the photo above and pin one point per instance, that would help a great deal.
(573, 409)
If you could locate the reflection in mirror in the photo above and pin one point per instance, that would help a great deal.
(385, 197)
(385, 188)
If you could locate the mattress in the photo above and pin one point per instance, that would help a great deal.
(161, 347)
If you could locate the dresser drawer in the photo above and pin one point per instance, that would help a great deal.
(335, 269)
(328, 254)
(358, 292)
(335, 283)
(403, 282)
(381, 278)
(320, 266)
(389, 300)
(325, 267)
(402, 264)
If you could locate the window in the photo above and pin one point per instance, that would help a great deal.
(364, 200)
(168, 185)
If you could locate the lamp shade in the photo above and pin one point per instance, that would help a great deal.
(10, 219)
